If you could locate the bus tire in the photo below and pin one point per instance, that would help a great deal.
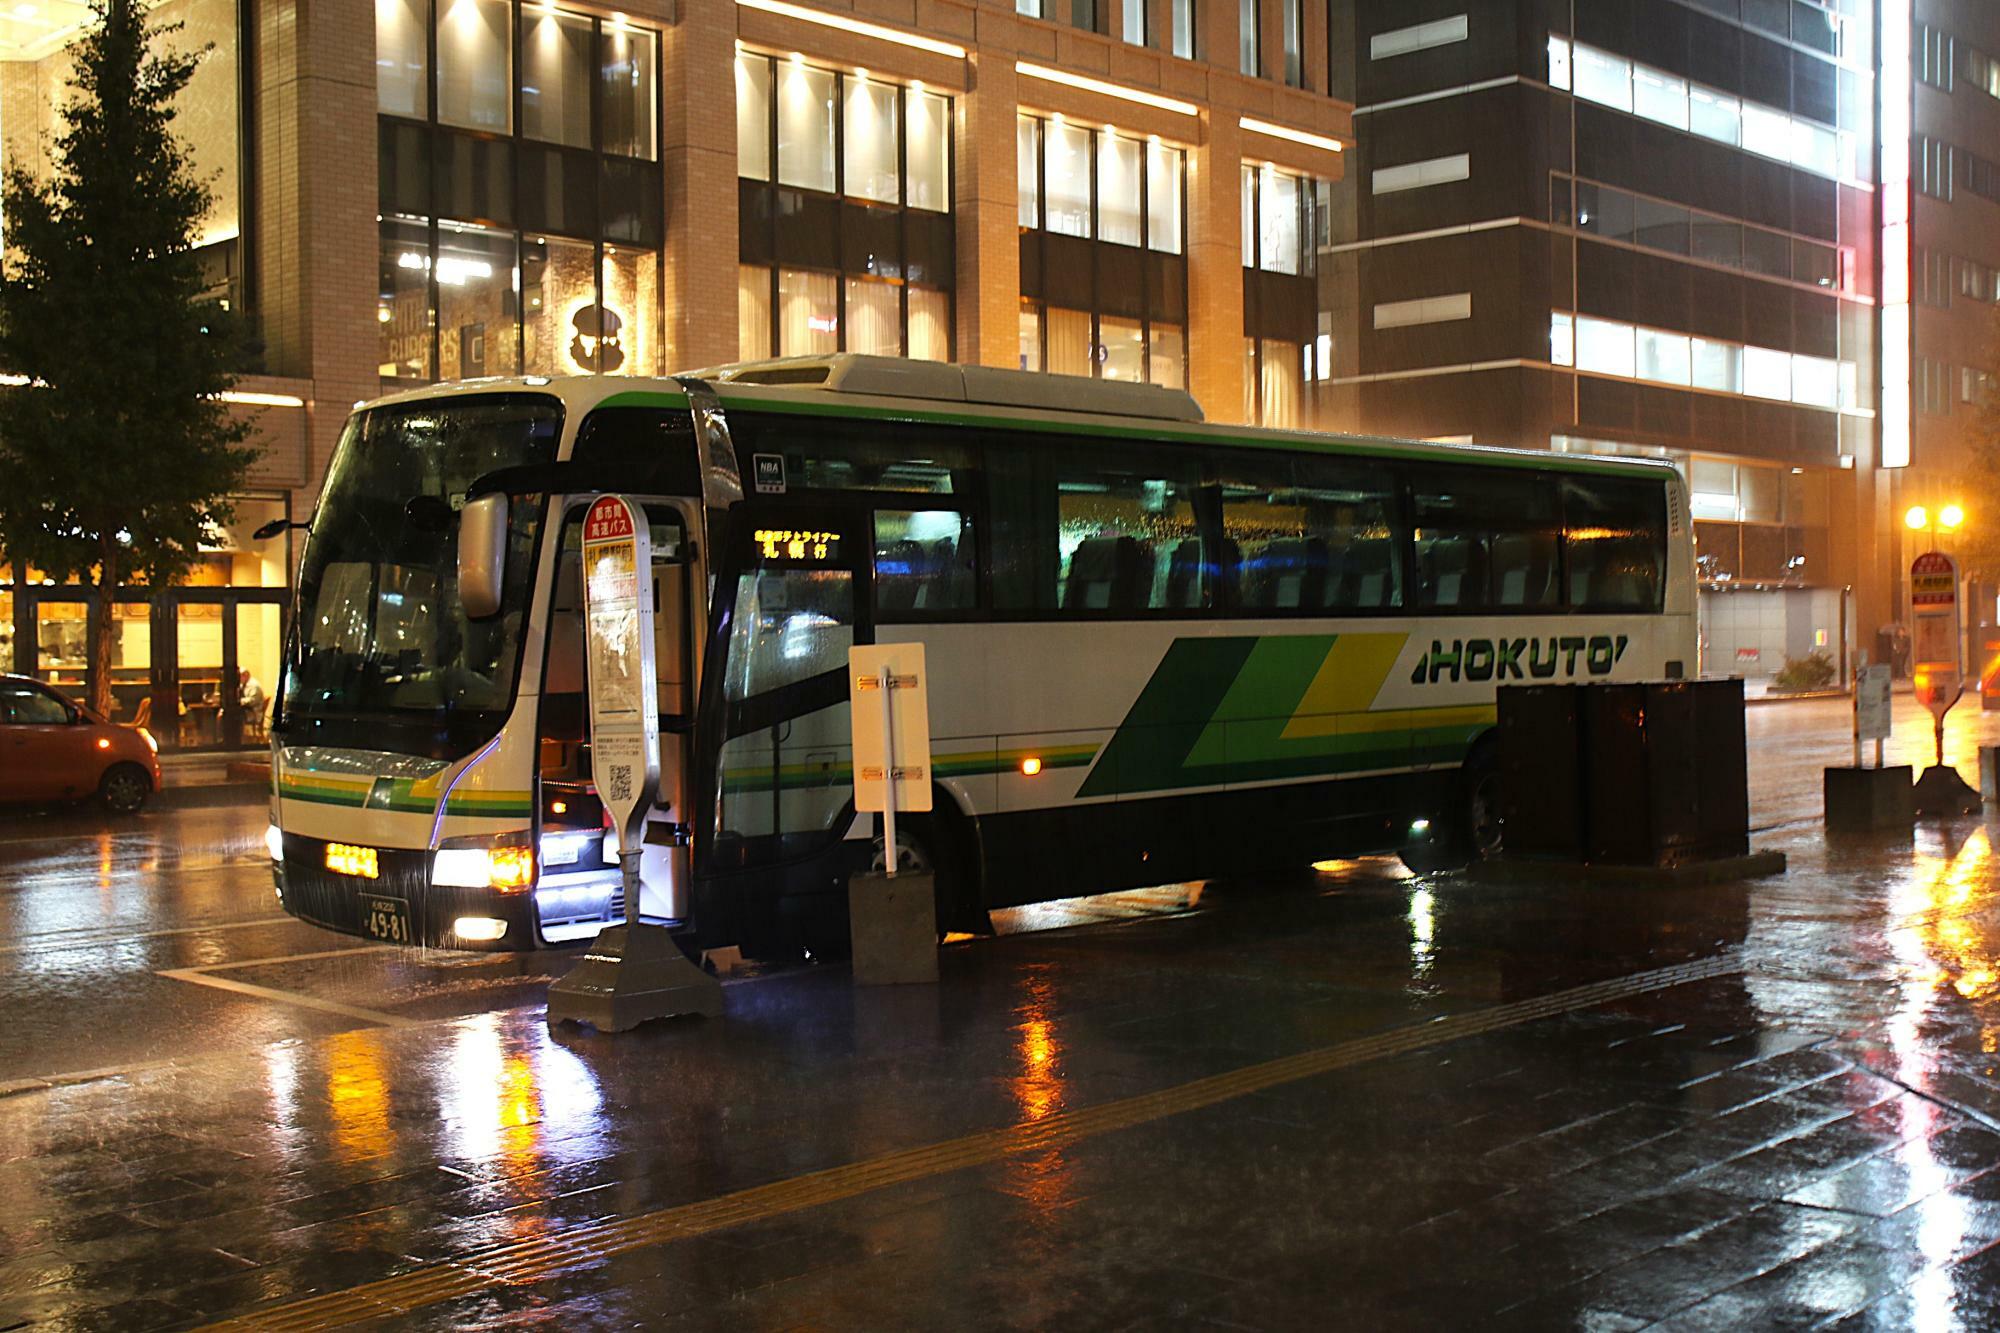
(928, 845)
(1470, 827)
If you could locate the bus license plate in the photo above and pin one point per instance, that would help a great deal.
(386, 919)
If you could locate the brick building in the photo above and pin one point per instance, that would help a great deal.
(413, 190)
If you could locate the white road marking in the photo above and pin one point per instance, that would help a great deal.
(53, 940)
(201, 978)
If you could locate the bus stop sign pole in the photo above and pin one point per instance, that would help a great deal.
(636, 971)
(1940, 675)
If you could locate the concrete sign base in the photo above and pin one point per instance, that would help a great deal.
(1941, 791)
(1865, 800)
(633, 974)
(892, 924)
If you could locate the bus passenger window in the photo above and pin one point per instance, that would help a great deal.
(924, 563)
(1615, 543)
(1484, 539)
(1324, 544)
(1127, 542)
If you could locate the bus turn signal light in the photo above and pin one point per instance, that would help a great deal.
(1030, 766)
(510, 868)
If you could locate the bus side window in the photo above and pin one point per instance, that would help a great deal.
(1614, 543)
(1346, 516)
(1126, 536)
(1484, 538)
(924, 563)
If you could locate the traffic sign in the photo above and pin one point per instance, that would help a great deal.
(1936, 636)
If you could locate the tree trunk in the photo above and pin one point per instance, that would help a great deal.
(101, 626)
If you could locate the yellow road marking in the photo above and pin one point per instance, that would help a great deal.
(529, 1261)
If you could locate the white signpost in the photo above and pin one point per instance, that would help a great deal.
(635, 971)
(1872, 711)
(892, 922)
(892, 735)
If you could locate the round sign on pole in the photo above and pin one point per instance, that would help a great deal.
(1936, 636)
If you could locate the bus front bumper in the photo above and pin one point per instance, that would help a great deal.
(399, 904)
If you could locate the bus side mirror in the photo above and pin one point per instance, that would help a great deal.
(482, 554)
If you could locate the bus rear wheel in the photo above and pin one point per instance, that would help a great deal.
(1470, 828)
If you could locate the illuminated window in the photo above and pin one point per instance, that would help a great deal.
(753, 109)
(475, 86)
(1118, 189)
(1604, 347)
(1767, 373)
(927, 150)
(805, 126)
(1418, 37)
(555, 77)
(870, 141)
(402, 58)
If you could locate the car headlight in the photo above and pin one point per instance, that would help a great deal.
(147, 736)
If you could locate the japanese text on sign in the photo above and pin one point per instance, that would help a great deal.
(797, 543)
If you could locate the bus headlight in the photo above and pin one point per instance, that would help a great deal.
(274, 842)
(505, 864)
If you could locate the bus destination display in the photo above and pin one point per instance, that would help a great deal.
(813, 545)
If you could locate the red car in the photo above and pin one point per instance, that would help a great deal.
(54, 749)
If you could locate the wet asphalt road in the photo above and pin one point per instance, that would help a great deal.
(1370, 1101)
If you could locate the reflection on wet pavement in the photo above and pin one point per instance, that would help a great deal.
(1358, 1099)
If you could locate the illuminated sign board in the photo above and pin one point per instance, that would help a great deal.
(814, 545)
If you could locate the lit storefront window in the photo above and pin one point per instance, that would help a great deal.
(521, 243)
(845, 234)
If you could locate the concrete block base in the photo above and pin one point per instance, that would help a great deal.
(892, 924)
(1941, 791)
(1866, 800)
(1989, 772)
(631, 975)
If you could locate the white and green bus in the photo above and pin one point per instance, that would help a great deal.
(1158, 649)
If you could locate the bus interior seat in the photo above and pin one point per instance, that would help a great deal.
(901, 570)
(1287, 574)
(1107, 574)
(1372, 580)
(1527, 569)
(951, 582)
(1184, 575)
(1445, 566)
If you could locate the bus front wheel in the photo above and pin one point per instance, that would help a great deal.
(925, 846)
(1469, 828)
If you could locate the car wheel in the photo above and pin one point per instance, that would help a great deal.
(124, 789)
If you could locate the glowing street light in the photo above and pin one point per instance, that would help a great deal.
(1950, 517)
(1917, 519)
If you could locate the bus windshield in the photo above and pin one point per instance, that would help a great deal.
(383, 657)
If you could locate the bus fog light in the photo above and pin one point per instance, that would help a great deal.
(274, 842)
(479, 928)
